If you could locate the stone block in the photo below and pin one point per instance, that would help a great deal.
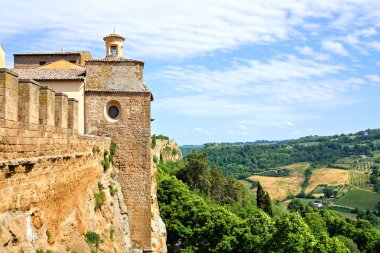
(9, 95)
(47, 106)
(28, 103)
(73, 114)
(61, 110)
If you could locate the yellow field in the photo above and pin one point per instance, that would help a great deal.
(327, 176)
(280, 187)
(297, 166)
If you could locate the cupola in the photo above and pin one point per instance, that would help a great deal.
(114, 45)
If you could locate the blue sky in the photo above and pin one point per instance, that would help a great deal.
(225, 71)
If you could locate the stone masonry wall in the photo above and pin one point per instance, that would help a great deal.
(113, 75)
(43, 162)
(131, 132)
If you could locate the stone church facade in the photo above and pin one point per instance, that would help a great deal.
(113, 101)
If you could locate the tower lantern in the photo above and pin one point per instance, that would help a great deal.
(114, 45)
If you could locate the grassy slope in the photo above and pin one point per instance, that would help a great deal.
(364, 200)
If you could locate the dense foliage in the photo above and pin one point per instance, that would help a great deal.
(243, 160)
(199, 219)
(193, 225)
(211, 183)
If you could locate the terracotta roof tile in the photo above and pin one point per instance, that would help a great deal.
(52, 53)
(114, 59)
(51, 74)
(113, 35)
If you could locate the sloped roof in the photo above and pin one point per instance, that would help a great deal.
(132, 87)
(51, 74)
(53, 53)
(114, 35)
(61, 64)
(114, 59)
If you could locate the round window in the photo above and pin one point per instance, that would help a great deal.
(113, 112)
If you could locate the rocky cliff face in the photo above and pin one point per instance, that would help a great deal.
(166, 150)
(60, 224)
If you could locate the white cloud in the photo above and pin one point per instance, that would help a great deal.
(334, 47)
(202, 131)
(308, 51)
(373, 78)
(166, 29)
(274, 88)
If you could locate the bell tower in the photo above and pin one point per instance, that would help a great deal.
(114, 45)
(118, 104)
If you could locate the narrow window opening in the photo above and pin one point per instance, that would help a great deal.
(114, 50)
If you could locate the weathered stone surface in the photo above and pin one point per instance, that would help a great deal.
(166, 150)
(118, 83)
(131, 132)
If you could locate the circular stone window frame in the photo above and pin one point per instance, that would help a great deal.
(110, 104)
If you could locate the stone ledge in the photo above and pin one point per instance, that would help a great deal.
(34, 160)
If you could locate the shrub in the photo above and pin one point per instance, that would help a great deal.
(113, 148)
(100, 186)
(112, 231)
(106, 163)
(100, 198)
(155, 159)
(95, 150)
(113, 175)
(48, 234)
(93, 240)
(113, 190)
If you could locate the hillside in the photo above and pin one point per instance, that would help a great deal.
(206, 211)
(245, 159)
(332, 169)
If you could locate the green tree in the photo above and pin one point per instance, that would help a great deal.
(316, 223)
(218, 185)
(196, 173)
(349, 243)
(291, 235)
(296, 206)
(268, 204)
(330, 245)
(260, 196)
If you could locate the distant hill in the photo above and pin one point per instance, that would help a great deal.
(246, 158)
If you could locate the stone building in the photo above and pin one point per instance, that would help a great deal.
(114, 101)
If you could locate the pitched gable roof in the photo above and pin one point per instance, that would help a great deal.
(51, 74)
(61, 64)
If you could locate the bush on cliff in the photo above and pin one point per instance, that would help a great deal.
(93, 240)
(100, 198)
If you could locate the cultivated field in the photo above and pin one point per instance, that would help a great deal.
(360, 179)
(327, 176)
(296, 166)
(356, 198)
(280, 187)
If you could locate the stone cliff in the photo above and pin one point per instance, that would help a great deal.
(165, 150)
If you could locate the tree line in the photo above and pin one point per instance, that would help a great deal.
(245, 160)
(198, 218)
